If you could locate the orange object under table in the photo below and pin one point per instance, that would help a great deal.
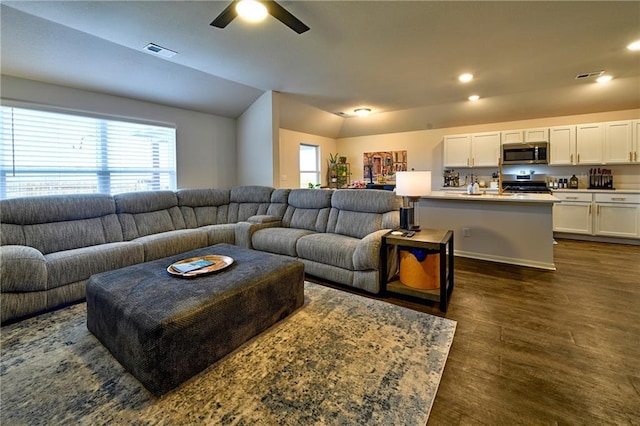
(423, 275)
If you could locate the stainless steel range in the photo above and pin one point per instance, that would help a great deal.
(531, 183)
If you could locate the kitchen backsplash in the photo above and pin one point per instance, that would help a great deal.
(624, 176)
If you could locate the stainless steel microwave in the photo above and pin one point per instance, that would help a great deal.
(525, 153)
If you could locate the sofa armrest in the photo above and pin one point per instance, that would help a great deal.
(367, 253)
(22, 269)
(263, 218)
(245, 230)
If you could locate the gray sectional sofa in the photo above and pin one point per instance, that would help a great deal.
(51, 245)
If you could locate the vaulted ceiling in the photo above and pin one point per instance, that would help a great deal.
(399, 58)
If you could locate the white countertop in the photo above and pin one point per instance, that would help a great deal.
(505, 198)
(606, 191)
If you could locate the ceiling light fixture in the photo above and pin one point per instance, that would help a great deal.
(474, 98)
(251, 10)
(465, 78)
(362, 112)
(635, 46)
(604, 79)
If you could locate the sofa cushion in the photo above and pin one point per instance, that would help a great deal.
(22, 268)
(165, 244)
(148, 212)
(369, 201)
(247, 201)
(330, 249)
(60, 222)
(308, 209)
(354, 224)
(202, 207)
(69, 266)
(223, 233)
(278, 240)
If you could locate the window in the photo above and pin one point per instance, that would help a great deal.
(45, 153)
(309, 165)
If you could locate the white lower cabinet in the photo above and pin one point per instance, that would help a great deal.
(607, 215)
(617, 215)
(574, 218)
(574, 213)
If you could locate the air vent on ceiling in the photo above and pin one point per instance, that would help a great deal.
(589, 74)
(159, 50)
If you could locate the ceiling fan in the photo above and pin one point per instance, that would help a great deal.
(273, 8)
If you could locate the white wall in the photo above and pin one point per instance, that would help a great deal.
(258, 146)
(425, 147)
(205, 143)
(290, 156)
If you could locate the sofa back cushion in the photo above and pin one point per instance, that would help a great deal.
(357, 213)
(308, 209)
(148, 212)
(203, 207)
(247, 201)
(59, 222)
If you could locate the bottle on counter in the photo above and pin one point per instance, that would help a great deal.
(476, 187)
(573, 182)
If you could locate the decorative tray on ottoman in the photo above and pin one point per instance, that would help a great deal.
(200, 265)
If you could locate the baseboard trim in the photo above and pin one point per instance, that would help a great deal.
(596, 239)
(507, 260)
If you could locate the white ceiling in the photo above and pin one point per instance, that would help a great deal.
(399, 58)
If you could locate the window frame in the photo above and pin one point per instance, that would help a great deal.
(317, 171)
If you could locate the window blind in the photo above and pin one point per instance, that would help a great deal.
(44, 153)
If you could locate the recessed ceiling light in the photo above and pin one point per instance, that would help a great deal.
(362, 112)
(634, 46)
(465, 78)
(474, 98)
(604, 79)
(251, 10)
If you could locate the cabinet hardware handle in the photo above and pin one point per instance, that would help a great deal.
(598, 210)
(618, 198)
(589, 209)
(572, 198)
(571, 158)
(473, 161)
(635, 156)
(578, 158)
(630, 156)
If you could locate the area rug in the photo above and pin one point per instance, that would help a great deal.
(340, 359)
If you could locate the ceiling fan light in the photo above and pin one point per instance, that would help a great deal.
(603, 79)
(251, 10)
(362, 112)
(474, 98)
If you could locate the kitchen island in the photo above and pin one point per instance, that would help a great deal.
(508, 228)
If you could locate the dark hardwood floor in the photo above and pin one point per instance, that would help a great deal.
(544, 347)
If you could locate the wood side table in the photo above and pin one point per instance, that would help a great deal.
(430, 239)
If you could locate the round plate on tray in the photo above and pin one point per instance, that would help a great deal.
(219, 263)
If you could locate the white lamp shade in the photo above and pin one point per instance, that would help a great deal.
(413, 184)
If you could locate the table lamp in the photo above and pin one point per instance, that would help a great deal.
(411, 185)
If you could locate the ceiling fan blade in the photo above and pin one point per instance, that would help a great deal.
(227, 15)
(282, 15)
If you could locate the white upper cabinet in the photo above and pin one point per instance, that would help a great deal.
(472, 150)
(528, 135)
(562, 145)
(590, 143)
(618, 142)
(457, 151)
(512, 136)
(536, 135)
(485, 149)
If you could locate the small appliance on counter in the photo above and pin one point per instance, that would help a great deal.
(451, 178)
(600, 179)
(528, 183)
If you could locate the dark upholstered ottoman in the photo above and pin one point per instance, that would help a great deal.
(165, 329)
